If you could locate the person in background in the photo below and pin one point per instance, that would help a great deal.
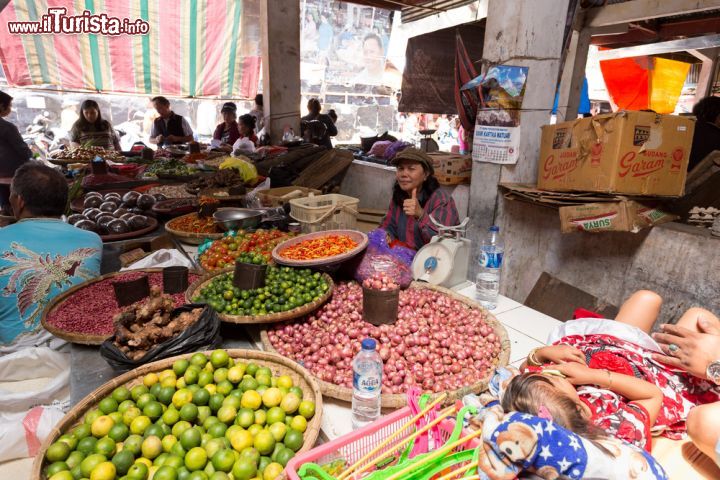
(34, 270)
(333, 115)
(13, 150)
(169, 127)
(707, 130)
(258, 112)
(416, 196)
(373, 61)
(246, 127)
(92, 130)
(317, 135)
(227, 132)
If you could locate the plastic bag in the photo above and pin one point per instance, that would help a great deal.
(27, 417)
(247, 170)
(201, 335)
(242, 146)
(22, 434)
(379, 257)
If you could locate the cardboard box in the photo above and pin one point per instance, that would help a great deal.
(454, 167)
(637, 153)
(622, 216)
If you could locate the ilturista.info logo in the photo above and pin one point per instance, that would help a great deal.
(57, 22)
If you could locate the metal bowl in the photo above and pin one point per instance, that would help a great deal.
(237, 218)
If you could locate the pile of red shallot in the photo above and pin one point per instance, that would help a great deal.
(380, 281)
(437, 343)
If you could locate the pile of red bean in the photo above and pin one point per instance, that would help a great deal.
(90, 310)
(437, 342)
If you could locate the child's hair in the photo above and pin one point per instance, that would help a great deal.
(529, 392)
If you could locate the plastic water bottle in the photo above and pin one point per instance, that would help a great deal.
(367, 383)
(487, 281)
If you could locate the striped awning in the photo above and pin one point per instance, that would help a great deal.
(194, 48)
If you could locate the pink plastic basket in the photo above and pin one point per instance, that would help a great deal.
(353, 446)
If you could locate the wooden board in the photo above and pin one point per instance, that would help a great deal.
(547, 291)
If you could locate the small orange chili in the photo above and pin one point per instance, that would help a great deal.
(320, 247)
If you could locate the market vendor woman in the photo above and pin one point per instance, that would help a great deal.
(92, 130)
(416, 196)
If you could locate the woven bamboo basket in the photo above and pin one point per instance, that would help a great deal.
(298, 312)
(279, 366)
(400, 400)
(190, 237)
(360, 238)
(81, 338)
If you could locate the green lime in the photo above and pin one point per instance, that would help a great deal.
(196, 459)
(275, 415)
(120, 394)
(197, 475)
(180, 427)
(263, 371)
(178, 450)
(137, 391)
(76, 472)
(293, 440)
(223, 460)
(105, 446)
(81, 431)
(74, 459)
(171, 416)
(119, 432)
(92, 415)
(189, 412)
(165, 473)
(57, 452)
(284, 456)
(144, 399)
(204, 413)
(224, 387)
(190, 438)
(205, 378)
(306, 409)
(156, 430)
(191, 376)
(108, 405)
(62, 475)
(198, 359)
(133, 444)
(248, 383)
(244, 469)
(123, 460)
(264, 442)
(174, 461)
(125, 405)
(297, 391)
(179, 367)
(69, 439)
(264, 462)
(62, 467)
(155, 389)
(245, 417)
(216, 401)
(219, 476)
(220, 374)
(165, 395)
(219, 358)
(217, 430)
(138, 471)
(90, 462)
(251, 369)
(233, 400)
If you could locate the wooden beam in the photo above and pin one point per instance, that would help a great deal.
(573, 75)
(684, 45)
(638, 10)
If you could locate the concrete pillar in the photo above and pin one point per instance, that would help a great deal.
(280, 40)
(709, 59)
(527, 33)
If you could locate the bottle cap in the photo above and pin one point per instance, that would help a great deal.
(494, 228)
(368, 344)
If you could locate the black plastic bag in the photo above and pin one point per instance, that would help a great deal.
(201, 335)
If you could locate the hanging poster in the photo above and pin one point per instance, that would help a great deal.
(497, 128)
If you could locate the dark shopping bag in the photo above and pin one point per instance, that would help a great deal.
(202, 335)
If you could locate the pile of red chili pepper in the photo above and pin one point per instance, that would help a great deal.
(319, 247)
(191, 223)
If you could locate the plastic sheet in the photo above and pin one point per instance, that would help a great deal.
(379, 257)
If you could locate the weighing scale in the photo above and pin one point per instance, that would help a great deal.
(444, 261)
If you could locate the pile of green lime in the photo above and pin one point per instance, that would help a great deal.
(285, 289)
(207, 418)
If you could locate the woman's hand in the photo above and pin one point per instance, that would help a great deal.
(412, 207)
(579, 374)
(692, 351)
(560, 354)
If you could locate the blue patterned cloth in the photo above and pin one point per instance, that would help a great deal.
(40, 258)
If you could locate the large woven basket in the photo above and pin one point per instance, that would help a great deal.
(82, 338)
(400, 400)
(279, 366)
(270, 317)
(190, 237)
